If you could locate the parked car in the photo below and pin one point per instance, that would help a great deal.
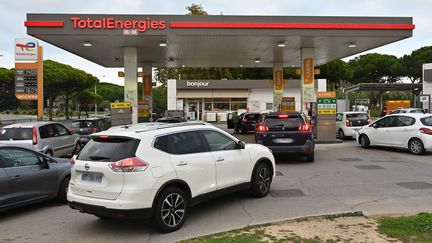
(412, 131)
(246, 122)
(28, 177)
(179, 114)
(85, 127)
(160, 170)
(50, 138)
(348, 123)
(286, 133)
(408, 110)
(169, 120)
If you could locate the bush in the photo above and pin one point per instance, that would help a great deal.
(16, 112)
(7, 112)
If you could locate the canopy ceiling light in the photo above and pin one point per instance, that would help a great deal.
(352, 44)
(257, 60)
(163, 43)
(87, 44)
(281, 44)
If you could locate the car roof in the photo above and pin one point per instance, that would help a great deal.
(29, 124)
(89, 119)
(414, 115)
(354, 112)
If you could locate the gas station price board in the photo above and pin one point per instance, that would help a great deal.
(26, 84)
(326, 103)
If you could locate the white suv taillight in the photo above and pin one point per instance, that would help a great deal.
(129, 165)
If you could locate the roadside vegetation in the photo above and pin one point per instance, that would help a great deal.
(329, 229)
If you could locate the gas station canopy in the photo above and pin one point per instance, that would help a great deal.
(215, 41)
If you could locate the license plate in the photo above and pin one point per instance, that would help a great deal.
(91, 177)
(283, 140)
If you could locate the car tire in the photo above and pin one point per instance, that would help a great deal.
(310, 157)
(416, 146)
(77, 149)
(261, 180)
(49, 153)
(364, 141)
(170, 213)
(341, 134)
(62, 195)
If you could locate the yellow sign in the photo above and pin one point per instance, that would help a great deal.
(308, 71)
(327, 111)
(288, 104)
(120, 105)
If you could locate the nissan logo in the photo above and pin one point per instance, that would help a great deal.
(86, 166)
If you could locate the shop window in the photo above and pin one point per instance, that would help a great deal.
(269, 106)
(208, 106)
(238, 105)
(221, 106)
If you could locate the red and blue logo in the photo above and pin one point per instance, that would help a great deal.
(29, 46)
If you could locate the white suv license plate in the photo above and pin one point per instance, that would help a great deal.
(91, 177)
(283, 140)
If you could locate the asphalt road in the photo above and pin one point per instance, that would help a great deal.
(343, 178)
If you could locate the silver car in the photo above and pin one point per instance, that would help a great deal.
(50, 138)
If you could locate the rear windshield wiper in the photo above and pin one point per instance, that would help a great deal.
(98, 157)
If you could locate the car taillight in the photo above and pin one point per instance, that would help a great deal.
(94, 129)
(347, 123)
(34, 136)
(129, 165)
(283, 116)
(262, 128)
(245, 120)
(426, 130)
(305, 127)
(72, 160)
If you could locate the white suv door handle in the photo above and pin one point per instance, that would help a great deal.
(182, 163)
(220, 159)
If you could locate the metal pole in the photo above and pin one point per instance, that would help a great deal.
(95, 100)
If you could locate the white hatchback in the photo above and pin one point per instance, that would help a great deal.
(411, 131)
(348, 123)
(160, 170)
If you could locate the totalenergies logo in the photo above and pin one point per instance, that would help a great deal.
(112, 23)
(29, 46)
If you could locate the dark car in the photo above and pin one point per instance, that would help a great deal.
(87, 126)
(247, 122)
(170, 120)
(286, 133)
(27, 176)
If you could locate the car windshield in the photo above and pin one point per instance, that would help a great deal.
(292, 123)
(362, 116)
(16, 134)
(109, 149)
(83, 124)
(427, 121)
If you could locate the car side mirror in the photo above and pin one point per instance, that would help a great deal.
(241, 145)
(45, 163)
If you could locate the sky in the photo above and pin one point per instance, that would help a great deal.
(13, 15)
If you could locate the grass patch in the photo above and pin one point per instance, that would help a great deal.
(416, 228)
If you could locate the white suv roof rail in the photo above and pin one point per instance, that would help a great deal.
(171, 125)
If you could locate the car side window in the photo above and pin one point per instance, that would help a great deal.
(403, 121)
(62, 131)
(386, 122)
(50, 131)
(339, 117)
(163, 143)
(15, 157)
(187, 143)
(43, 132)
(217, 141)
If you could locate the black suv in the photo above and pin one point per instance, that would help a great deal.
(85, 127)
(286, 133)
(247, 122)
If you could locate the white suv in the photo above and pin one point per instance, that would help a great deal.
(159, 170)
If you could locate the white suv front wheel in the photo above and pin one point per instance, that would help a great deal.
(261, 180)
(171, 209)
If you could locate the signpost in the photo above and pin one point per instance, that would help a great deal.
(28, 73)
(121, 113)
(326, 116)
(427, 100)
(288, 104)
(327, 103)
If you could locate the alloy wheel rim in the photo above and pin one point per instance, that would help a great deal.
(264, 180)
(415, 146)
(173, 209)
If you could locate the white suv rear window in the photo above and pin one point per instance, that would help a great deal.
(109, 149)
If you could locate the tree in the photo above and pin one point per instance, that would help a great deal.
(335, 72)
(378, 68)
(54, 73)
(412, 65)
(7, 89)
(196, 9)
(86, 98)
(159, 99)
(110, 92)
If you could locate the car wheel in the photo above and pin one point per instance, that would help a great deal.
(49, 153)
(62, 195)
(310, 157)
(171, 209)
(416, 146)
(261, 180)
(77, 148)
(341, 134)
(364, 141)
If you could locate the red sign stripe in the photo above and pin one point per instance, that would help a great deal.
(240, 25)
(43, 23)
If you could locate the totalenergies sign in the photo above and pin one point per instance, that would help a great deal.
(26, 49)
(113, 23)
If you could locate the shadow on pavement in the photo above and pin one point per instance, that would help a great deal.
(28, 209)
